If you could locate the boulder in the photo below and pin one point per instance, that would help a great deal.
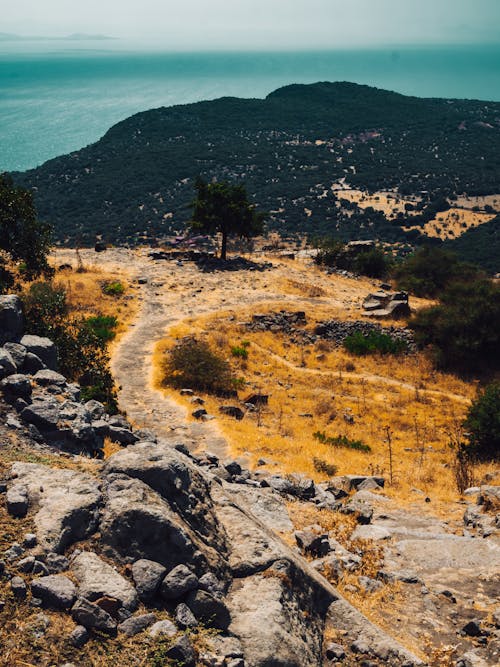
(7, 365)
(56, 591)
(16, 385)
(182, 652)
(46, 376)
(91, 616)
(44, 414)
(173, 476)
(32, 364)
(79, 636)
(163, 629)
(135, 624)
(18, 587)
(44, 349)
(17, 352)
(124, 436)
(138, 523)
(211, 611)
(232, 411)
(184, 617)
(11, 318)
(283, 612)
(97, 579)
(66, 503)
(147, 575)
(178, 582)
(17, 500)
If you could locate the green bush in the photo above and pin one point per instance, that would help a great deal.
(464, 329)
(191, 363)
(430, 270)
(341, 441)
(483, 424)
(102, 326)
(373, 343)
(81, 343)
(239, 351)
(374, 263)
(323, 466)
(114, 288)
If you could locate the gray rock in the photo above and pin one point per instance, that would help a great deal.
(56, 562)
(43, 348)
(101, 428)
(264, 504)
(18, 588)
(135, 624)
(17, 352)
(29, 540)
(32, 364)
(122, 435)
(137, 523)
(47, 376)
(147, 575)
(66, 503)
(178, 582)
(184, 617)
(182, 652)
(232, 411)
(97, 579)
(7, 365)
(95, 409)
(293, 485)
(40, 568)
(17, 500)
(79, 636)
(11, 318)
(56, 591)
(91, 616)
(26, 564)
(361, 646)
(209, 582)
(208, 609)
(334, 651)
(162, 629)
(311, 543)
(43, 414)
(473, 628)
(370, 532)
(16, 385)
(370, 585)
(14, 552)
(232, 467)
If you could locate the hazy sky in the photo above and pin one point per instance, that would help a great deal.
(198, 24)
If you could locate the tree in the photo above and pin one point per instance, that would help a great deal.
(223, 207)
(22, 236)
(483, 424)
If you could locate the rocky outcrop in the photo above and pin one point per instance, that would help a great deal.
(391, 305)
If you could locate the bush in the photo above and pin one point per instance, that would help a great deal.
(463, 330)
(191, 363)
(374, 263)
(323, 466)
(341, 441)
(81, 343)
(483, 424)
(239, 351)
(374, 342)
(114, 288)
(430, 270)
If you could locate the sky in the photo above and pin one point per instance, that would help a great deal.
(261, 24)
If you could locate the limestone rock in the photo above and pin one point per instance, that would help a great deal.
(11, 318)
(178, 582)
(91, 616)
(208, 609)
(16, 385)
(66, 503)
(163, 629)
(97, 579)
(55, 591)
(135, 624)
(44, 348)
(17, 352)
(47, 376)
(147, 575)
(17, 500)
(7, 365)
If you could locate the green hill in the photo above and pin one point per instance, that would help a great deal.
(288, 148)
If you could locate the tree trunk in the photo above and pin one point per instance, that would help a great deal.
(223, 248)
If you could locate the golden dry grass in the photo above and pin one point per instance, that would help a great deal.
(453, 223)
(311, 388)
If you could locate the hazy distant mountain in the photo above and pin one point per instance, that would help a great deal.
(76, 37)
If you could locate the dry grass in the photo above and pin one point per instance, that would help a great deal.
(311, 388)
(453, 223)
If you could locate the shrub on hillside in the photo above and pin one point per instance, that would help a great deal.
(81, 342)
(341, 441)
(374, 263)
(191, 363)
(483, 424)
(373, 343)
(114, 288)
(430, 270)
(464, 329)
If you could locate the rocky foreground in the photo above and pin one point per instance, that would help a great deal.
(160, 539)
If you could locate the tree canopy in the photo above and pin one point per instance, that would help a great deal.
(223, 207)
(22, 236)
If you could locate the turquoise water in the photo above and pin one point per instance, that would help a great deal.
(53, 102)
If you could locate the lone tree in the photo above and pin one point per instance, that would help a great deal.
(22, 236)
(223, 207)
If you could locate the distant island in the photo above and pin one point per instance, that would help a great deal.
(317, 157)
(76, 37)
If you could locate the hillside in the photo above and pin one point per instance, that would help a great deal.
(296, 151)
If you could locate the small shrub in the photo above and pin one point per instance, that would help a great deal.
(341, 441)
(102, 326)
(191, 363)
(114, 288)
(374, 263)
(239, 351)
(322, 466)
(374, 342)
(483, 424)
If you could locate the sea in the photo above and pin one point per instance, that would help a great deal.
(56, 97)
